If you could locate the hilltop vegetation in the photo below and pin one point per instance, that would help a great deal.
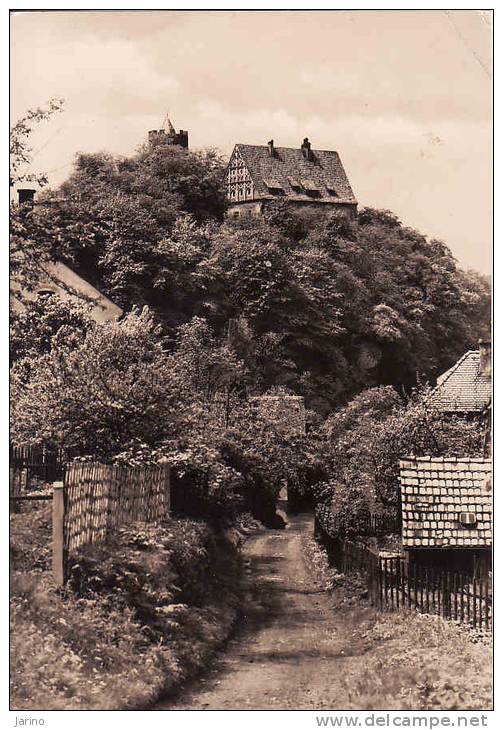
(317, 303)
(309, 302)
(135, 620)
(352, 315)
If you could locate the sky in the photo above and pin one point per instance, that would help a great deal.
(405, 97)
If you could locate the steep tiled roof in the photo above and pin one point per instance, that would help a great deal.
(292, 172)
(59, 278)
(463, 389)
(435, 491)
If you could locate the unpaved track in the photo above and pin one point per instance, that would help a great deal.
(293, 647)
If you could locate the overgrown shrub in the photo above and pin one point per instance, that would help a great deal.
(365, 441)
(138, 615)
(30, 537)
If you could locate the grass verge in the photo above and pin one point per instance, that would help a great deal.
(138, 616)
(406, 660)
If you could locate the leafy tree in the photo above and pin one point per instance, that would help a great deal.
(294, 223)
(417, 311)
(96, 395)
(20, 150)
(366, 440)
(33, 328)
(120, 222)
(323, 304)
(28, 255)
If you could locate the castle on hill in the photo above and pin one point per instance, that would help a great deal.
(257, 174)
(168, 136)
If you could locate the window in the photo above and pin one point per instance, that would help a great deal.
(274, 186)
(467, 519)
(295, 184)
(311, 188)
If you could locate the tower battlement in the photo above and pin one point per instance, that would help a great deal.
(168, 136)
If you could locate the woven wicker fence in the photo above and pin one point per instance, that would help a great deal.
(97, 498)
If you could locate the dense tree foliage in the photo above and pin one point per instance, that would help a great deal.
(364, 442)
(321, 304)
(34, 327)
(113, 392)
(119, 222)
(219, 309)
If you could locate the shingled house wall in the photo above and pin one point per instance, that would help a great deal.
(435, 491)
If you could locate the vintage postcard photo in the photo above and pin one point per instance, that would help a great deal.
(251, 362)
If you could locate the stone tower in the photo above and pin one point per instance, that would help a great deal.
(168, 136)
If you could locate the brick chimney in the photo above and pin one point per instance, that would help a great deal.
(25, 196)
(306, 149)
(270, 144)
(485, 358)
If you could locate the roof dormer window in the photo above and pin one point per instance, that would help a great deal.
(274, 186)
(295, 184)
(311, 188)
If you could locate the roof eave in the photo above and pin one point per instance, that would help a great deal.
(447, 547)
(293, 199)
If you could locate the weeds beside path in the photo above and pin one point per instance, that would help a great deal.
(304, 648)
(140, 614)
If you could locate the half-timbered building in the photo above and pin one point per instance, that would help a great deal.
(257, 174)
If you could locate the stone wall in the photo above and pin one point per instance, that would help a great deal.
(256, 207)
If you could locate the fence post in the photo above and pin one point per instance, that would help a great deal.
(58, 544)
(168, 491)
(486, 601)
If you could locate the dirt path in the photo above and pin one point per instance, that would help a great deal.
(293, 649)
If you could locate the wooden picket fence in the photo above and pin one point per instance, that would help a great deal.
(33, 462)
(393, 584)
(94, 499)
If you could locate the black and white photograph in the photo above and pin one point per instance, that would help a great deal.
(250, 365)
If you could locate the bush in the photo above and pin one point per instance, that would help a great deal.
(138, 616)
(116, 385)
(365, 440)
(30, 537)
(420, 662)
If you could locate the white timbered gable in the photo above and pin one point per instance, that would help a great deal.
(238, 179)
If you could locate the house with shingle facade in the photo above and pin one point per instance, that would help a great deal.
(447, 512)
(465, 390)
(258, 174)
(447, 501)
